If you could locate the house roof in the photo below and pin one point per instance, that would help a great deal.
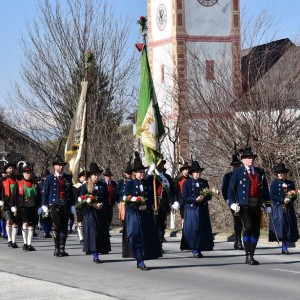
(257, 61)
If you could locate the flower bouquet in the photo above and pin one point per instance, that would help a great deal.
(292, 194)
(87, 199)
(135, 200)
(209, 193)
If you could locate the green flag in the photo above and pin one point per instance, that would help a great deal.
(149, 126)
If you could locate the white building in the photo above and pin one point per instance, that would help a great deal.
(182, 32)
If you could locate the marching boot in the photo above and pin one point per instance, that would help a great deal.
(252, 261)
(248, 252)
(63, 238)
(56, 243)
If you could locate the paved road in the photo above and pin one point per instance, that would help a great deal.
(221, 274)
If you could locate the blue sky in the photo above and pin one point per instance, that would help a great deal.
(15, 13)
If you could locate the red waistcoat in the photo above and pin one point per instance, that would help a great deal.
(254, 186)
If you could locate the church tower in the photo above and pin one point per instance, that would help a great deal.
(177, 30)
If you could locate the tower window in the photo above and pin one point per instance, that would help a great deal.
(210, 69)
(162, 73)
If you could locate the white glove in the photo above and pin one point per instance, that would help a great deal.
(235, 207)
(268, 210)
(39, 210)
(1, 203)
(45, 209)
(13, 209)
(176, 205)
(151, 169)
(73, 209)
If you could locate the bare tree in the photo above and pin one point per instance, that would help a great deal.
(53, 67)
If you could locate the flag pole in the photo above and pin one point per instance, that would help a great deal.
(144, 34)
(89, 58)
(85, 125)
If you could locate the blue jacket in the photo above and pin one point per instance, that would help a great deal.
(190, 191)
(276, 190)
(51, 190)
(133, 188)
(238, 191)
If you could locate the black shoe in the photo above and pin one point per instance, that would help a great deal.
(47, 235)
(35, 234)
(197, 254)
(143, 268)
(71, 231)
(253, 262)
(14, 245)
(97, 261)
(81, 242)
(25, 247)
(62, 253)
(285, 252)
(56, 252)
(30, 248)
(9, 244)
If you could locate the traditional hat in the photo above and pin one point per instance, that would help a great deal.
(137, 163)
(107, 172)
(27, 167)
(128, 168)
(195, 167)
(185, 166)
(58, 161)
(280, 168)
(247, 152)
(94, 168)
(9, 164)
(81, 173)
(235, 160)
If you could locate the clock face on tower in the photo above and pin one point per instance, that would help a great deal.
(208, 2)
(161, 17)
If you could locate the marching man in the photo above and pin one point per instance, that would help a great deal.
(58, 197)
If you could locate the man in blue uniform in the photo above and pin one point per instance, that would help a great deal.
(59, 198)
(248, 191)
(237, 222)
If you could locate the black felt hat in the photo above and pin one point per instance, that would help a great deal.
(195, 166)
(9, 164)
(58, 161)
(247, 152)
(107, 172)
(185, 166)
(128, 168)
(94, 168)
(235, 160)
(137, 163)
(280, 168)
(27, 167)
